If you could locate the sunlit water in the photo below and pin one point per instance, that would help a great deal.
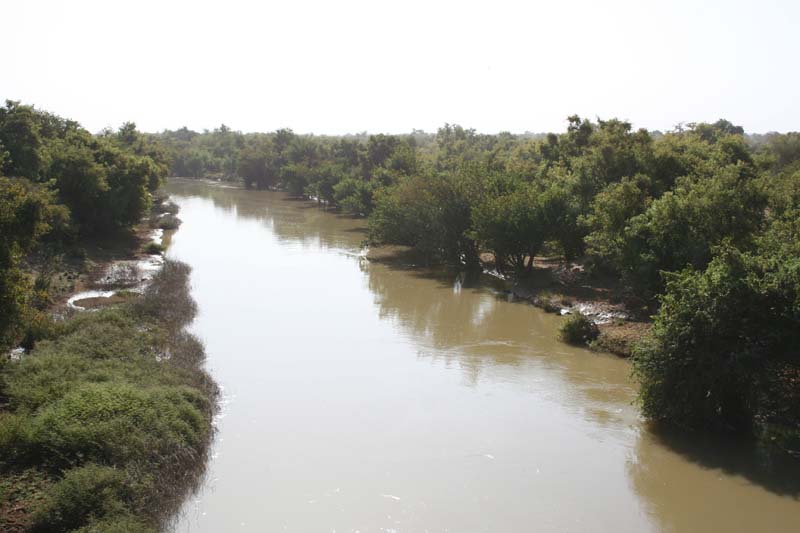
(363, 397)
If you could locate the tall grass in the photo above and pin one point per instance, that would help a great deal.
(114, 409)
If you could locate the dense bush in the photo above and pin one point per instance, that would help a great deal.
(725, 348)
(64, 184)
(105, 181)
(27, 212)
(81, 495)
(578, 329)
(431, 214)
(118, 424)
(115, 406)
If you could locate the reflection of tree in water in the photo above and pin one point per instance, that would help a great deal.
(292, 221)
(683, 497)
(455, 318)
(470, 323)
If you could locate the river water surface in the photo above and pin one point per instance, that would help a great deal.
(364, 397)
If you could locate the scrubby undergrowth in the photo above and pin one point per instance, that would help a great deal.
(579, 330)
(108, 420)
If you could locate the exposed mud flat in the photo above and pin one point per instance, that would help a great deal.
(118, 278)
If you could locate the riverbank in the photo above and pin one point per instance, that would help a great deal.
(560, 289)
(471, 397)
(566, 290)
(553, 285)
(105, 424)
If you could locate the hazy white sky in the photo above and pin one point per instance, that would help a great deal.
(341, 66)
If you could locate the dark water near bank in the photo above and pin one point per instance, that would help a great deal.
(363, 397)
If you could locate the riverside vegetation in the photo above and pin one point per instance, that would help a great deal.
(698, 227)
(105, 417)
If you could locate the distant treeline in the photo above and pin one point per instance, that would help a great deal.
(702, 221)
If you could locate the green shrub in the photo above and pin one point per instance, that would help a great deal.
(112, 333)
(15, 439)
(119, 423)
(723, 353)
(83, 494)
(117, 524)
(106, 346)
(116, 399)
(578, 329)
(40, 380)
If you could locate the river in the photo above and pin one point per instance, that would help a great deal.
(364, 397)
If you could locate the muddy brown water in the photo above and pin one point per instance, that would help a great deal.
(365, 397)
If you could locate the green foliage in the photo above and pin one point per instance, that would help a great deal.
(724, 349)
(82, 494)
(561, 210)
(681, 227)
(115, 407)
(27, 212)
(635, 203)
(118, 424)
(578, 329)
(256, 166)
(214, 154)
(98, 347)
(117, 524)
(608, 220)
(105, 180)
(429, 213)
(511, 224)
(21, 140)
(355, 195)
(80, 179)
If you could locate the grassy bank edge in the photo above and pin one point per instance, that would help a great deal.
(108, 419)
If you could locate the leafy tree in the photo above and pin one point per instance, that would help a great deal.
(512, 226)
(22, 142)
(81, 181)
(380, 148)
(256, 165)
(355, 195)
(561, 211)
(610, 215)
(27, 212)
(429, 213)
(680, 228)
(129, 177)
(725, 347)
